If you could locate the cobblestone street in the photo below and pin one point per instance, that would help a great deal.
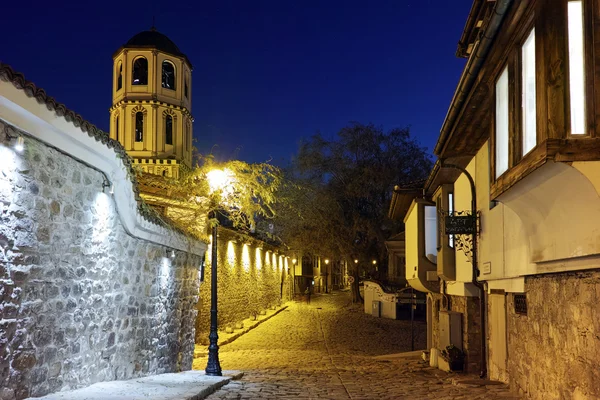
(328, 350)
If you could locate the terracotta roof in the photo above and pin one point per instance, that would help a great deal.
(7, 74)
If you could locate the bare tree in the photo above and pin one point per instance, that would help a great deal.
(337, 192)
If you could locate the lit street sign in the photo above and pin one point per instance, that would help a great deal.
(460, 224)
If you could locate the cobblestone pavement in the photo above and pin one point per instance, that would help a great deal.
(326, 350)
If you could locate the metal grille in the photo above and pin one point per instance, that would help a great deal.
(521, 304)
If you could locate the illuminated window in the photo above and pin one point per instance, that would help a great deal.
(140, 71)
(168, 75)
(431, 232)
(169, 130)
(139, 126)
(576, 67)
(501, 143)
(528, 93)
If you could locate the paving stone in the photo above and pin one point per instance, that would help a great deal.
(328, 350)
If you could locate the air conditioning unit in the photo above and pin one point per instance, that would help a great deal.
(450, 329)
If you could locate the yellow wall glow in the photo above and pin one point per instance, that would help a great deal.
(246, 257)
(258, 259)
(230, 254)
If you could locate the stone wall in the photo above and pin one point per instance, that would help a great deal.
(249, 281)
(471, 327)
(81, 300)
(554, 350)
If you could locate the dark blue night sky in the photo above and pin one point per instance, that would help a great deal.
(266, 73)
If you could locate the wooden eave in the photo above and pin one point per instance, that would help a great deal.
(480, 11)
(473, 126)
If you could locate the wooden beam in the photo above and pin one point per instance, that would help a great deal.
(551, 60)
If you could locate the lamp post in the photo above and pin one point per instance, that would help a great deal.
(213, 367)
(294, 261)
(217, 181)
(326, 275)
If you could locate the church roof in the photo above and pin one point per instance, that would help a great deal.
(155, 40)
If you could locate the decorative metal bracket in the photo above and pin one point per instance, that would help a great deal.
(463, 227)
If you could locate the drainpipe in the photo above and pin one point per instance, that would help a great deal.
(467, 80)
(478, 284)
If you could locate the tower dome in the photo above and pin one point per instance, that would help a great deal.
(153, 39)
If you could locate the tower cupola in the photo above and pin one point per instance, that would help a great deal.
(152, 98)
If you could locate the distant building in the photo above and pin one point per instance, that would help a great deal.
(152, 98)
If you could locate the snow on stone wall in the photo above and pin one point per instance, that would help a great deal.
(81, 300)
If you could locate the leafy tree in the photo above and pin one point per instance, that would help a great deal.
(337, 193)
(243, 193)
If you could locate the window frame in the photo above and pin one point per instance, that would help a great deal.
(163, 84)
(513, 65)
(553, 103)
(119, 74)
(133, 71)
(135, 130)
(117, 127)
(588, 78)
(167, 118)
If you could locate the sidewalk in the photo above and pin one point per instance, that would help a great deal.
(248, 324)
(188, 385)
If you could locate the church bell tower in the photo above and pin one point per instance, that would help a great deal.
(151, 103)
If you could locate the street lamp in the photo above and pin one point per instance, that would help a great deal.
(327, 275)
(218, 181)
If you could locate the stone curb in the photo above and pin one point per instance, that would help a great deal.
(207, 391)
(248, 329)
(187, 385)
(200, 354)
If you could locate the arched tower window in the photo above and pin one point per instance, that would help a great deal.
(188, 133)
(169, 130)
(140, 71)
(168, 75)
(120, 76)
(185, 88)
(139, 126)
(117, 128)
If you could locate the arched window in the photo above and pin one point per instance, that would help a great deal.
(169, 130)
(168, 75)
(139, 126)
(117, 128)
(189, 136)
(140, 71)
(185, 88)
(120, 76)
(185, 136)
